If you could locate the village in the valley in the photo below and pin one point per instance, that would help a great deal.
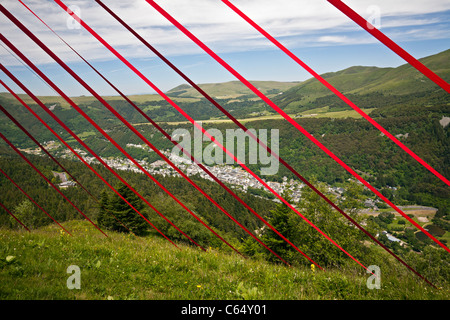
(236, 177)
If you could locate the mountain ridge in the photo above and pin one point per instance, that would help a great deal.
(231, 89)
(363, 80)
(358, 79)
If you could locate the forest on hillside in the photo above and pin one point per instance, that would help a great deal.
(414, 118)
(302, 235)
(61, 210)
(378, 160)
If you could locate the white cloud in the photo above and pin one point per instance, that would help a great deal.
(333, 39)
(212, 21)
(400, 7)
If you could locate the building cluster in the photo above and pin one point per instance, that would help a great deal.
(65, 182)
(235, 176)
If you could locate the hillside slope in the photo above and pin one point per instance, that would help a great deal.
(231, 89)
(34, 266)
(368, 87)
(361, 80)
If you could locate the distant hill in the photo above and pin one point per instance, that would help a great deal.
(181, 93)
(369, 87)
(232, 89)
(49, 100)
(361, 80)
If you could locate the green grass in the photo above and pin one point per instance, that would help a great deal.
(124, 267)
(324, 113)
(86, 134)
(315, 113)
(233, 89)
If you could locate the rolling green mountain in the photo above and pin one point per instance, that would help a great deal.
(231, 89)
(369, 87)
(367, 81)
(361, 80)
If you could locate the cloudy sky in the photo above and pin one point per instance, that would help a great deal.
(314, 30)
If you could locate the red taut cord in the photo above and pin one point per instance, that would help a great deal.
(56, 161)
(176, 144)
(43, 149)
(192, 121)
(48, 181)
(184, 114)
(349, 12)
(99, 129)
(37, 41)
(223, 110)
(336, 92)
(70, 71)
(288, 118)
(130, 66)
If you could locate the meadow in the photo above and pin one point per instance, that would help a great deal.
(34, 266)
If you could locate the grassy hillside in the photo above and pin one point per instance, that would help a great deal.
(368, 87)
(361, 80)
(34, 266)
(231, 89)
(180, 94)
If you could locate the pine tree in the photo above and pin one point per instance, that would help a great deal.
(333, 224)
(282, 219)
(117, 215)
(104, 218)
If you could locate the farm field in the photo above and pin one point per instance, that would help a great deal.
(319, 113)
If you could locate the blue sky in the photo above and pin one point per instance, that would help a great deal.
(316, 32)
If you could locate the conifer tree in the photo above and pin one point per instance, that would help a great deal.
(104, 218)
(307, 238)
(115, 214)
(282, 219)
